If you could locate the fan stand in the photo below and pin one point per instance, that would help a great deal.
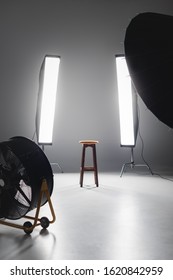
(44, 221)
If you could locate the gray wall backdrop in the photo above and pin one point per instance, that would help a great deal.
(86, 34)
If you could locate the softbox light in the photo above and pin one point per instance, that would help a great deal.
(149, 54)
(128, 111)
(127, 104)
(48, 82)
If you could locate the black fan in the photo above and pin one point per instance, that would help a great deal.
(23, 167)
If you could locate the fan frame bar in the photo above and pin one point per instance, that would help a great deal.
(37, 221)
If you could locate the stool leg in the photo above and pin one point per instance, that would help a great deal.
(82, 165)
(95, 166)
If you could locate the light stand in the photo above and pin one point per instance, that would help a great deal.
(53, 163)
(129, 122)
(132, 164)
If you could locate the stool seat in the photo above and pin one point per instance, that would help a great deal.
(92, 145)
(89, 142)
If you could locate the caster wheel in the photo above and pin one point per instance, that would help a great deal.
(27, 226)
(44, 222)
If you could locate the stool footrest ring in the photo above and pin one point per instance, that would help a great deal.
(89, 168)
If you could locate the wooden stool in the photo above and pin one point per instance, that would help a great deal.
(91, 144)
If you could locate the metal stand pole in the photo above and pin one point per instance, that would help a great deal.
(54, 163)
(132, 164)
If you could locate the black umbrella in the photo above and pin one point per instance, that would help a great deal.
(149, 55)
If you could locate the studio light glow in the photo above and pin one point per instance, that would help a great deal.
(127, 133)
(49, 82)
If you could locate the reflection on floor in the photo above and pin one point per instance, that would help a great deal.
(124, 218)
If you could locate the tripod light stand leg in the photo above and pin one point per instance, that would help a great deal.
(122, 169)
(57, 164)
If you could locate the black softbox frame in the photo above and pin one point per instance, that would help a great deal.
(149, 54)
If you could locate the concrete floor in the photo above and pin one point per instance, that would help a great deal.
(124, 218)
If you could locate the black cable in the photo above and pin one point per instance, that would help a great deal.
(163, 177)
(142, 141)
(33, 135)
(142, 151)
